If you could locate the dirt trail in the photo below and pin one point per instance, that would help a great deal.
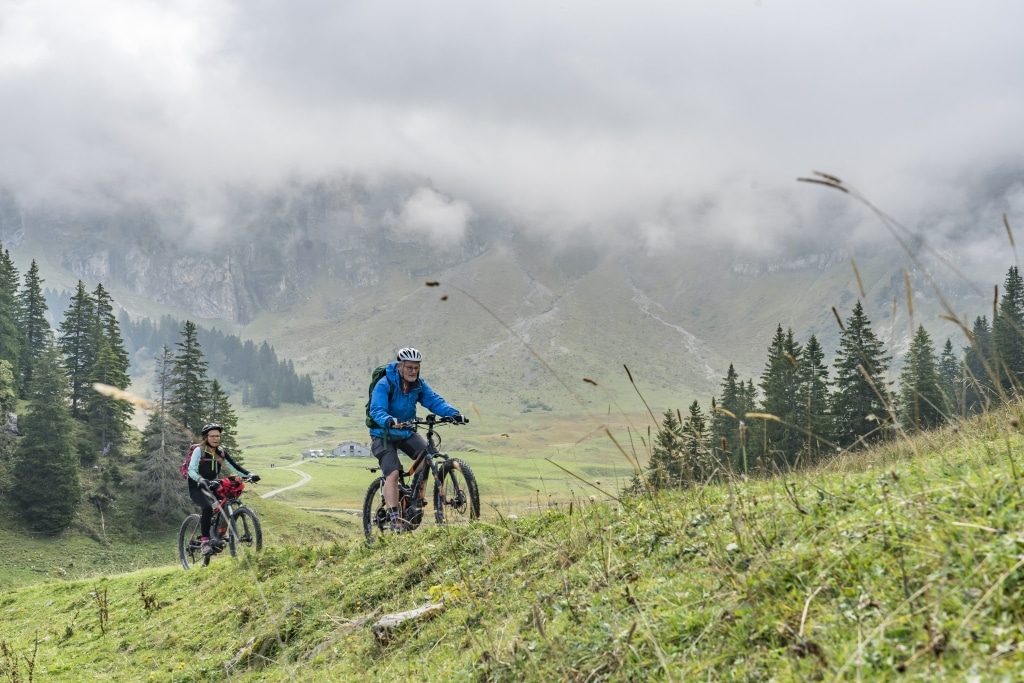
(294, 468)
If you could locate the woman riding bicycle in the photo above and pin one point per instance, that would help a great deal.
(393, 403)
(205, 466)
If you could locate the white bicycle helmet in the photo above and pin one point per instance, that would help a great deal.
(410, 354)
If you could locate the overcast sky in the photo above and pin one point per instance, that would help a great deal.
(677, 119)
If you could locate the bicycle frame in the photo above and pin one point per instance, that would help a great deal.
(420, 469)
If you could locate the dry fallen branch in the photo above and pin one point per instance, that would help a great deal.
(383, 629)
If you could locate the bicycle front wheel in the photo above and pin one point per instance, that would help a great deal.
(190, 543)
(245, 531)
(375, 511)
(456, 498)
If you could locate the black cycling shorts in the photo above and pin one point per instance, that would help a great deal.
(387, 454)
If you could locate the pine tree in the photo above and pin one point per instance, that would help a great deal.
(306, 390)
(728, 412)
(665, 469)
(750, 441)
(108, 419)
(47, 488)
(978, 373)
(860, 404)
(10, 333)
(76, 340)
(949, 371)
(1008, 335)
(223, 414)
(8, 391)
(110, 329)
(36, 334)
(698, 464)
(164, 495)
(780, 386)
(921, 396)
(813, 399)
(189, 393)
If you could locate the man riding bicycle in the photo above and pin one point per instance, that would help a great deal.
(392, 404)
(205, 466)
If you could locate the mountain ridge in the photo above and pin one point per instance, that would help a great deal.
(329, 278)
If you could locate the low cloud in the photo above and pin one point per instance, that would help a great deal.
(431, 213)
(675, 122)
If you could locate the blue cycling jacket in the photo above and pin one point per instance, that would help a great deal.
(388, 402)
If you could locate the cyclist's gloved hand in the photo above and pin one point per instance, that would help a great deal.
(203, 483)
(254, 478)
(460, 419)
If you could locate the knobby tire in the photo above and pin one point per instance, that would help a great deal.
(244, 529)
(461, 496)
(375, 512)
(189, 543)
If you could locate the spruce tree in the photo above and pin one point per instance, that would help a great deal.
(36, 334)
(698, 464)
(922, 398)
(861, 402)
(108, 419)
(665, 468)
(164, 496)
(110, 329)
(750, 443)
(46, 484)
(8, 391)
(949, 371)
(780, 441)
(222, 413)
(306, 389)
(77, 341)
(812, 413)
(10, 334)
(978, 368)
(1008, 335)
(188, 386)
(725, 425)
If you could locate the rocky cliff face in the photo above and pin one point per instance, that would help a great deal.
(267, 257)
(815, 261)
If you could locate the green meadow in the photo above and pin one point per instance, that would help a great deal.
(516, 470)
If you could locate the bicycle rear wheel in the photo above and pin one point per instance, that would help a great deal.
(189, 543)
(375, 511)
(245, 530)
(456, 498)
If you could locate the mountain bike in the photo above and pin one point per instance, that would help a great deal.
(234, 525)
(456, 498)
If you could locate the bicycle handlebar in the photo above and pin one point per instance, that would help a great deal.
(431, 420)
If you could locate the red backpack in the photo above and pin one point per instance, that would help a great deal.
(188, 457)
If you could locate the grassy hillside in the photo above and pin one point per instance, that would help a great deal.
(903, 563)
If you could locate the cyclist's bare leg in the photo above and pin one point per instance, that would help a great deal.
(391, 490)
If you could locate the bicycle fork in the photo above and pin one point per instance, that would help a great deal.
(442, 501)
